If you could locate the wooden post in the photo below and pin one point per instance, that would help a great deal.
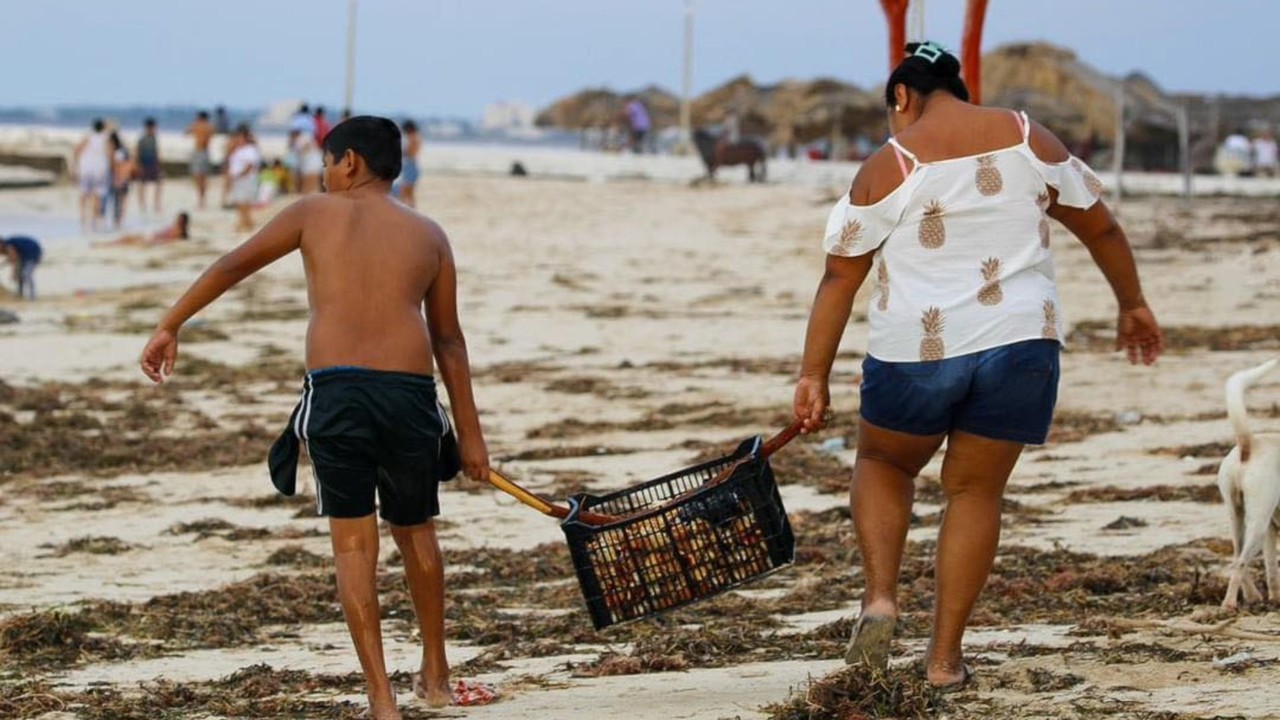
(895, 12)
(971, 48)
(349, 90)
(1117, 161)
(1184, 149)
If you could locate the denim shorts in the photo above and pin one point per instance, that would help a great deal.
(1004, 393)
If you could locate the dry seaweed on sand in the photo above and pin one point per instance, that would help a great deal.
(1076, 425)
(565, 451)
(91, 545)
(56, 638)
(1200, 450)
(856, 692)
(297, 556)
(1162, 493)
(1099, 336)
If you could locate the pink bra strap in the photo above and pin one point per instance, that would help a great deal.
(1023, 124)
(902, 161)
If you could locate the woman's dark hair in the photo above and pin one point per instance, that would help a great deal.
(409, 126)
(928, 67)
(114, 137)
(376, 139)
(184, 226)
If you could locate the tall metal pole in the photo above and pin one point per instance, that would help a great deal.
(350, 89)
(1184, 149)
(686, 87)
(1117, 161)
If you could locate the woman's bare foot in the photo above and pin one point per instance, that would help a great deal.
(435, 692)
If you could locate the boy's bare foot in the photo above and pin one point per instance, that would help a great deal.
(382, 705)
(435, 692)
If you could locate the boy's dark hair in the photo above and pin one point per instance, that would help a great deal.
(98, 125)
(319, 109)
(149, 122)
(928, 67)
(184, 220)
(376, 139)
(409, 126)
(202, 115)
(304, 108)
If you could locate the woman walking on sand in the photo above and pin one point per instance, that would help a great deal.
(952, 217)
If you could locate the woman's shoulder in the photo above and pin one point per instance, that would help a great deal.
(878, 177)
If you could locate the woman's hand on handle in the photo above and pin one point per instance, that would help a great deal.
(812, 400)
(1138, 334)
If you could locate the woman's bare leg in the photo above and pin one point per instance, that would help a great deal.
(880, 502)
(424, 571)
(355, 554)
(974, 473)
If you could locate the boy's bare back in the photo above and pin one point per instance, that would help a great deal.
(371, 263)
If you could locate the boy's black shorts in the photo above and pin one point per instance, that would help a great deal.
(367, 432)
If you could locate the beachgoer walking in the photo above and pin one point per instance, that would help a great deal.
(201, 132)
(148, 159)
(93, 171)
(242, 173)
(24, 253)
(410, 144)
(638, 123)
(952, 218)
(368, 414)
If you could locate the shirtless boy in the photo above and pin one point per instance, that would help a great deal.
(368, 412)
(201, 131)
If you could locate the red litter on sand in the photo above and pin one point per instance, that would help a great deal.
(465, 693)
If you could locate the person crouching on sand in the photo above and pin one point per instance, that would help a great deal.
(953, 218)
(368, 414)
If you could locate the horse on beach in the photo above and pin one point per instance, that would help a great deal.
(716, 154)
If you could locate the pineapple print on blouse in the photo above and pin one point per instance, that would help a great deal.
(987, 177)
(850, 236)
(931, 347)
(966, 243)
(1042, 201)
(882, 285)
(1050, 329)
(990, 294)
(1091, 181)
(933, 233)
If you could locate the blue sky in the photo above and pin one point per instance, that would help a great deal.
(453, 57)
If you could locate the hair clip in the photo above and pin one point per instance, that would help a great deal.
(930, 51)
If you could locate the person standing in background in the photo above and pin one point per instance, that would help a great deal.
(410, 143)
(93, 169)
(638, 122)
(221, 123)
(148, 158)
(1265, 158)
(122, 170)
(322, 125)
(242, 173)
(201, 132)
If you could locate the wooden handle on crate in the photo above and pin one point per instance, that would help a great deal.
(771, 446)
(777, 442)
(537, 502)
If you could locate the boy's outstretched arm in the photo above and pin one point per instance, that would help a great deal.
(280, 236)
(455, 369)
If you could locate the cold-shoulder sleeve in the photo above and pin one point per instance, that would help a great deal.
(1076, 183)
(854, 230)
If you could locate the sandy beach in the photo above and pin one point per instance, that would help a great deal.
(619, 331)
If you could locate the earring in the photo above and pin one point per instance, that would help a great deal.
(897, 108)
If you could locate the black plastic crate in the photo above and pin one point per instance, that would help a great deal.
(682, 540)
